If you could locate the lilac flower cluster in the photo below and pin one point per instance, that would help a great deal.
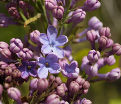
(44, 58)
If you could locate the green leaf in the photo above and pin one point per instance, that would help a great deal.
(78, 56)
(115, 101)
(11, 31)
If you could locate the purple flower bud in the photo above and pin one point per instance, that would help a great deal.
(109, 43)
(63, 102)
(91, 70)
(22, 4)
(6, 53)
(73, 2)
(1, 90)
(51, 79)
(110, 60)
(77, 16)
(34, 36)
(16, 45)
(3, 65)
(8, 71)
(50, 4)
(74, 87)
(42, 85)
(90, 5)
(101, 63)
(25, 54)
(116, 48)
(13, 12)
(58, 81)
(53, 99)
(58, 12)
(102, 42)
(114, 74)
(105, 31)
(84, 101)
(61, 90)
(8, 79)
(15, 94)
(95, 23)
(91, 35)
(86, 85)
(33, 85)
(3, 45)
(93, 56)
(80, 81)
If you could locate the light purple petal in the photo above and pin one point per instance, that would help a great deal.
(58, 52)
(44, 39)
(61, 40)
(24, 74)
(42, 72)
(46, 49)
(54, 68)
(52, 33)
(42, 60)
(51, 58)
(73, 65)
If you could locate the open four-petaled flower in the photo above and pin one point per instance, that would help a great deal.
(71, 70)
(28, 68)
(49, 63)
(51, 42)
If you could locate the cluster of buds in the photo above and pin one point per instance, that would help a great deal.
(14, 7)
(58, 89)
(94, 61)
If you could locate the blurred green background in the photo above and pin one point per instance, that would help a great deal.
(110, 15)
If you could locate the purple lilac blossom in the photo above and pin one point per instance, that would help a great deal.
(49, 63)
(51, 42)
(71, 70)
(28, 69)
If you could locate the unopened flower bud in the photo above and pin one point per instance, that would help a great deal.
(116, 48)
(90, 5)
(105, 31)
(33, 84)
(58, 12)
(25, 54)
(61, 90)
(34, 36)
(51, 79)
(50, 4)
(16, 45)
(1, 90)
(53, 99)
(77, 16)
(101, 63)
(13, 12)
(7, 85)
(86, 85)
(58, 81)
(3, 65)
(42, 85)
(93, 56)
(110, 60)
(91, 35)
(63, 102)
(6, 53)
(74, 87)
(85, 101)
(8, 71)
(15, 94)
(80, 81)
(102, 42)
(3, 45)
(95, 23)
(109, 43)
(114, 74)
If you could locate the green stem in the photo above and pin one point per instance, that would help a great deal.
(5, 98)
